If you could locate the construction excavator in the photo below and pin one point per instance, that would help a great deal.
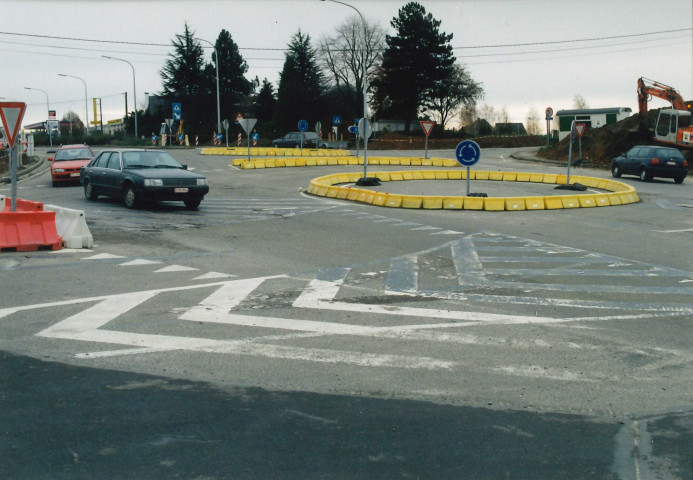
(674, 126)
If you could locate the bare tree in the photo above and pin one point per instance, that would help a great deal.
(452, 94)
(504, 116)
(532, 122)
(488, 113)
(341, 56)
(579, 102)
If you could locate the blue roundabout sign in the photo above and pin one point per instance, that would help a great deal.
(468, 153)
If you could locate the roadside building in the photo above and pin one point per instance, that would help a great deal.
(591, 117)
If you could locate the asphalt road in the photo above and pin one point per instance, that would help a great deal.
(275, 334)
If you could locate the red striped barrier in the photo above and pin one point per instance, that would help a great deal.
(26, 231)
(22, 205)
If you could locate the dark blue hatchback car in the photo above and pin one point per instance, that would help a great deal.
(138, 175)
(650, 161)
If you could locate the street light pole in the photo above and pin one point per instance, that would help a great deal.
(365, 80)
(134, 87)
(86, 101)
(216, 65)
(48, 112)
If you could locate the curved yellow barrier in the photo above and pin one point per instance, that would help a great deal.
(617, 193)
(338, 157)
(272, 152)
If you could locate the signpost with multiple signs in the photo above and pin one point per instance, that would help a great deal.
(11, 114)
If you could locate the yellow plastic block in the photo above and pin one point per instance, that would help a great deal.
(370, 198)
(411, 201)
(415, 162)
(523, 177)
(515, 203)
(473, 203)
(614, 198)
(354, 193)
(534, 203)
(550, 178)
(561, 179)
(496, 176)
(587, 201)
(453, 203)
(428, 175)
(355, 161)
(406, 176)
(418, 175)
(383, 176)
(437, 162)
(277, 162)
(628, 197)
(342, 161)
(342, 193)
(603, 184)
(602, 200)
(393, 200)
(509, 177)
(553, 203)
(332, 192)
(236, 162)
(260, 163)
(405, 161)
(289, 162)
(494, 204)
(570, 201)
(430, 202)
(482, 175)
(427, 162)
(380, 199)
(441, 174)
(454, 174)
(536, 177)
(342, 178)
(322, 191)
(450, 163)
(362, 195)
(321, 161)
(332, 161)
(395, 176)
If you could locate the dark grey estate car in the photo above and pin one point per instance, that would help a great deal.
(138, 175)
(650, 161)
(298, 139)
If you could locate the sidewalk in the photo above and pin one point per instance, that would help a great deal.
(31, 166)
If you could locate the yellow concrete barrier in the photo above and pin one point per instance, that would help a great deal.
(393, 200)
(514, 203)
(411, 201)
(430, 202)
(453, 203)
(570, 201)
(473, 203)
(534, 203)
(553, 203)
(493, 204)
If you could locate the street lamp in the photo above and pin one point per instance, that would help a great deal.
(86, 101)
(48, 111)
(365, 83)
(216, 65)
(134, 87)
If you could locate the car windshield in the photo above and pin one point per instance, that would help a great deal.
(149, 160)
(66, 154)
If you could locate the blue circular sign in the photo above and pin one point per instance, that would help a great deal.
(255, 136)
(468, 153)
(302, 125)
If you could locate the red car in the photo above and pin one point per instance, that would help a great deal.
(67, 162)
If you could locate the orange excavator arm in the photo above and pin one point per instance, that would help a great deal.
(649, 88)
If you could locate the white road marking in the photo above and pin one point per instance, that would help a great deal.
(175, 268)
(139, 261)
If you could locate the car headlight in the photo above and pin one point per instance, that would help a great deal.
(58, 170)
(202, 181)
(153, 182)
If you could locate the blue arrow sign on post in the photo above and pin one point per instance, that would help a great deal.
(302, 125)
(176, 107)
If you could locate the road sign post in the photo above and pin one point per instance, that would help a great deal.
(549, 117)
(247, 124)
(11, 114)
(365, 131)
(226, 129)
(318, 131)
(427, 126)
(468, 153)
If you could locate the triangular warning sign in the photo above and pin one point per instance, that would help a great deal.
(427, 126)
(11, 114)
(580, 129)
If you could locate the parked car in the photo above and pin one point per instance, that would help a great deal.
(650, 161)
(139, 175)
(294, 140)
(67, 161)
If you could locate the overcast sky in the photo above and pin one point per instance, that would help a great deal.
(536, 54)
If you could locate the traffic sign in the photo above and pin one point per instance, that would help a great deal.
(580, 129)
(365, 129)
(427, 126)
(12, 114)
(468, 153)
(176, 111)
(302, 125)
(549, 112)
(239, 117)
(318, 127)
(247, 124)
(336, 120)
(225, 123)
(353, 129)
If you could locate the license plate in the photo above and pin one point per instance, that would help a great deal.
(671, 163)
(180, 190)
(74, 174)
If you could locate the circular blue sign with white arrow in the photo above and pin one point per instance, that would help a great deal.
(467, 153)
(302, 125)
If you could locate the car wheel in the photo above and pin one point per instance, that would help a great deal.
(679, 179)
(644, 176)
(129, 197)
(89, 191)
(193, 203)
(615, 171)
